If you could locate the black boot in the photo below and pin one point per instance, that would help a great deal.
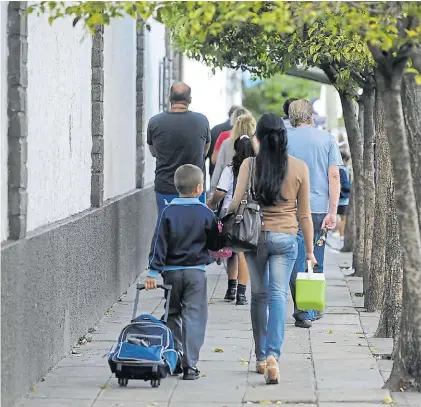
(231, 291)
(241, 295)
(230, 294)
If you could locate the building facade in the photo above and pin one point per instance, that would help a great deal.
(77, 200)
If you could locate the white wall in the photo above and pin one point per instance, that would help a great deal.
(119, 107)
(154, 54)
(212, 95)
(59, 123)
(4, 122)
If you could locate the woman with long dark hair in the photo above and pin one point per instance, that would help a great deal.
(237, 270)
(282, 187)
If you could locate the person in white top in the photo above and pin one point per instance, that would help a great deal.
(236, 265)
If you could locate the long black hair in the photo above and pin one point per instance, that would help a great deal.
(272, 160)
(243, 149)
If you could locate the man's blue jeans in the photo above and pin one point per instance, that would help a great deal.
(270, 270)
(163, 200)
(300, 265)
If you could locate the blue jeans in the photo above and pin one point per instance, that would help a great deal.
(163, 200)
(300, 265)
(270, 270)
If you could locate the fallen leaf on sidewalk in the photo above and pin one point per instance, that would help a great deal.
(203, 375)
(244, 362)
(33, 390)
(266, 402)
(387, 400)
(218, 350)
(105, 387)
(330, 332)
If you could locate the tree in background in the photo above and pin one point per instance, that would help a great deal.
(270, 94)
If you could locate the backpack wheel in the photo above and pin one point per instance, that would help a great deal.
(155, 382)
(122, 381)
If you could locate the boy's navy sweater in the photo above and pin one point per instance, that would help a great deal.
(180, 239)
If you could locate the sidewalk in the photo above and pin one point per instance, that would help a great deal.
(331, 365)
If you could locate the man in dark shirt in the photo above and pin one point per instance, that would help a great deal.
(177, 137)
(215, 132)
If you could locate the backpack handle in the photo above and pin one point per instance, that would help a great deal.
(166, 288)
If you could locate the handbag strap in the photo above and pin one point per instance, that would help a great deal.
(250, 186)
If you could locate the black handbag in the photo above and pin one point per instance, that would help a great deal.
(241, 229)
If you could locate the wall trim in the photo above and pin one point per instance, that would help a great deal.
(140, 104)
(17, 135)
(97, 125)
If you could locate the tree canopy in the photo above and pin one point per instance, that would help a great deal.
(267, 38)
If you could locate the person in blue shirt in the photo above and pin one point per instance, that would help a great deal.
(344, 172)
(319, 150)
(185, 230)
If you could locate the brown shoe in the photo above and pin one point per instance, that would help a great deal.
(261, 366)
(272, 371)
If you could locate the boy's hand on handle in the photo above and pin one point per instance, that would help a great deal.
(150, 283)
(310, 257)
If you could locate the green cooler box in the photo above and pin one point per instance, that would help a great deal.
(310, 290)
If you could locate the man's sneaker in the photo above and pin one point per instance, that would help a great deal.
(191, 373)
(241, 299)
(230, 294)
(306, 323)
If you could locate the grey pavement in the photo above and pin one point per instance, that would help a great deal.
(334, 364)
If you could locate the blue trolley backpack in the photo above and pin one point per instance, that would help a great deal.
(145, 348)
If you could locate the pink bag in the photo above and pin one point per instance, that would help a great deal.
(223, 253)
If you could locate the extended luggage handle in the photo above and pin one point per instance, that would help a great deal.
(166, 288)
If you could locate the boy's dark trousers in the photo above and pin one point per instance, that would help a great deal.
(188, 312)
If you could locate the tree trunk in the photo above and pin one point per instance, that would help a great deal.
(406, 371)
(390, 316)
(369, 187)
(350, 226)
(411, 101)
(383, 175)
(356, 148)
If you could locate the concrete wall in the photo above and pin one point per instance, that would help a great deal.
(154, 54)
(4, 220)
(119, 107)
(59, 122)
(56, 284)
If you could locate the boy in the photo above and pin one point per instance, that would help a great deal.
(179, 251)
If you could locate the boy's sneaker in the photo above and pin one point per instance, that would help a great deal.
(230, 294)
(191, 373)
(241, 299)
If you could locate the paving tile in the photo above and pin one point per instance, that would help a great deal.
(138, 390)
(351, 395)
(407, 399)
(336, 404)
(113, 403)
(56, 402)
(284, 393)
(42, 390)
(201, 404)
(381, 346)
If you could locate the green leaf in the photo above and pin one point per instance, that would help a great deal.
(412, 70)
(418, 80)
